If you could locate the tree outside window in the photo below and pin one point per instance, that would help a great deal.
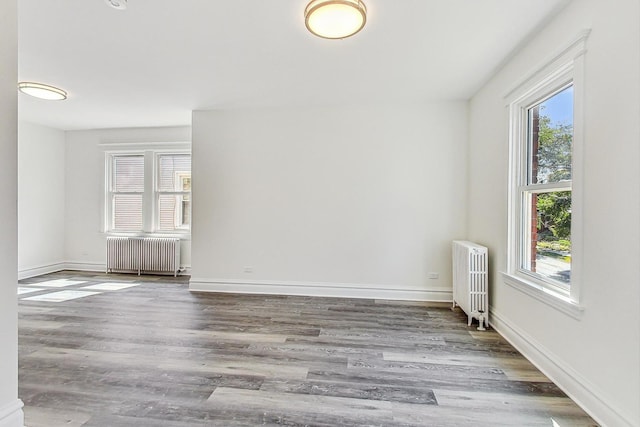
(547, 190)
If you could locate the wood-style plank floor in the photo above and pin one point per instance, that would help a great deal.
(158, 355)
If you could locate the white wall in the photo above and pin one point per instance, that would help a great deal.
(595, 359)
(10, 407)
(343, 201)
(85, 188)
(41, 199)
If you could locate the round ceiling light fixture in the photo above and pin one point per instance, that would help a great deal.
(117, 4)
(42, 91)
(335, 19)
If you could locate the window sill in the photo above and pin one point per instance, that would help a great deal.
(553, 299)
(181, 236)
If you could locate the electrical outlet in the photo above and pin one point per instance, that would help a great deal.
(433, 275)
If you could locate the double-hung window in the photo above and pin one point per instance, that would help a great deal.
(545, 188)
(148, 192)
(127, 193)
(173, 197)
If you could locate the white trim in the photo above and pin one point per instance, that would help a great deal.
(145, 145)
(548, 187)
(148, 195)
(577, 174)
(78, 266)
(579, 389)
(546, 295)
(184, 237)
(85, 266)
(11, 415)
(572, 50)
(101, 267)
(25, 273)
(339, 290)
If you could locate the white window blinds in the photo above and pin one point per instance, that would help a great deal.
(149, 192)
(127, 193)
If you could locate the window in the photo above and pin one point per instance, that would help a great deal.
(545, 189)
(174, 192)
(127, 193)
(140, 200)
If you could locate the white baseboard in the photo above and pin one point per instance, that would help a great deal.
(73, 265)
(25, 273)
(59, 266)
(578, 388)
(11, 415)
(97, 267)
(340, 290)
(85, 266)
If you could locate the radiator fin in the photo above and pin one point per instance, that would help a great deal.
(470, 281)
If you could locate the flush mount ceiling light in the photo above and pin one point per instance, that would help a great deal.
(117, 4)
(335, 19)
(42, 91)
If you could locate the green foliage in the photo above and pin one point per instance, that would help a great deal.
(554, 214)
(554, 164)
(554, 150)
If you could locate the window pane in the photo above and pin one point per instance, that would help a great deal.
(128, 173)
(127, 212)
(175, 212)
(550, 254)
(174, 173)
(550, 138)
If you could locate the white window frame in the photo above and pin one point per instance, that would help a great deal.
(158, 192)
(561, 70)
(150, 204)
(109, 184)
(524, 189)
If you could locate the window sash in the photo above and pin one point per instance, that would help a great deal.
(126, 186)
(127, 211)
(524, 241)
(526, 253)
(532, 119)
(127, 173)
(172, 200)
(172, 218)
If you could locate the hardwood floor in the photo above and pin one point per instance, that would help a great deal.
(157, 355)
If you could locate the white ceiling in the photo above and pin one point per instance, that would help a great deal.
(155, 62)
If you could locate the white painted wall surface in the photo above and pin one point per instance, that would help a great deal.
(85, 188)
(10, 407)
(595, 359)
(344, 201)
(41, 199)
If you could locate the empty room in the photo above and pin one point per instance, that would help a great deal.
(320, 212)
